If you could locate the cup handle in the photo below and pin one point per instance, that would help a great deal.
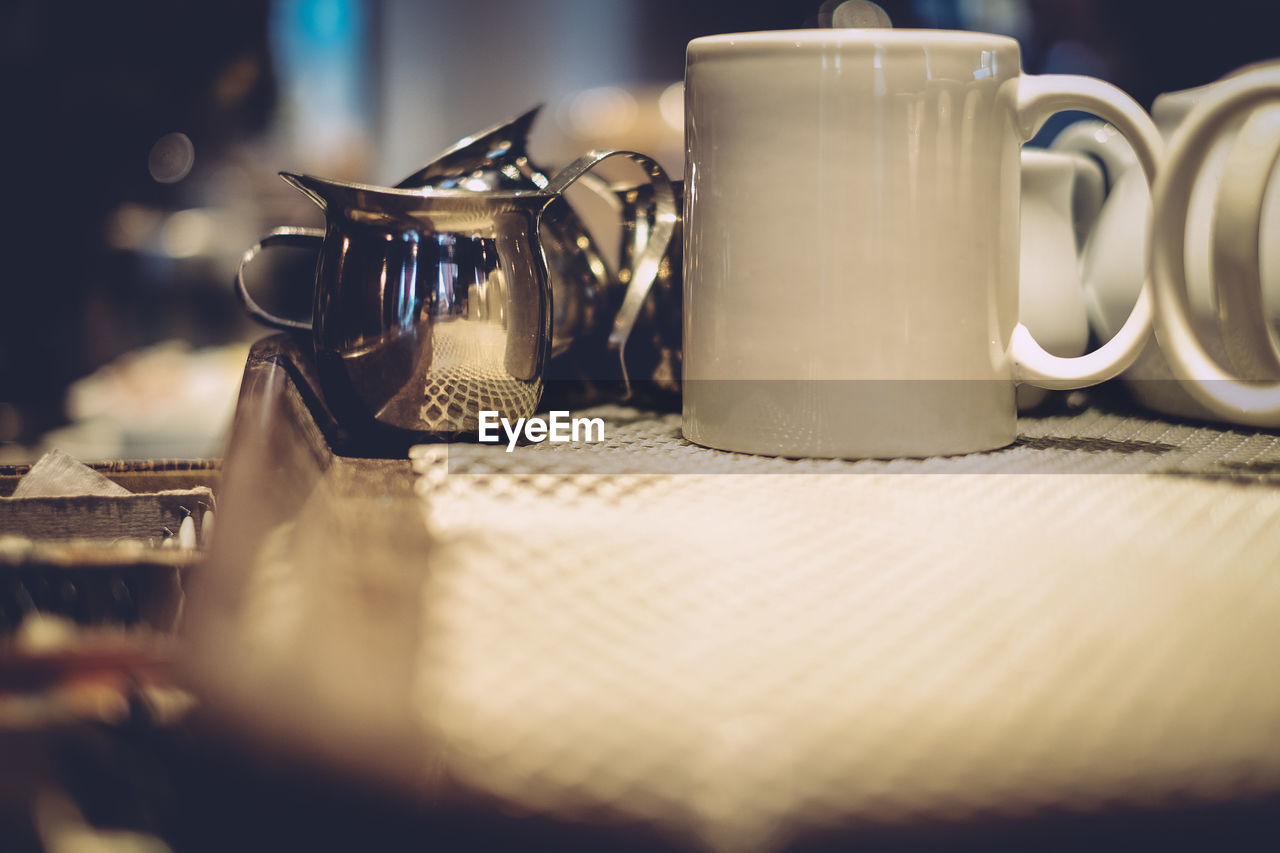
(1039, 97)
(289, 235)
(1235, 251)
(644, 270)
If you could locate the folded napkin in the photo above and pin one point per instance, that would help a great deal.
(58, 475)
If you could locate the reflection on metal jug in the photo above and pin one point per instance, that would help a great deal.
(497, 159)
(593, 312)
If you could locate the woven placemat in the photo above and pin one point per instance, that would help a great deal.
(1069, 441)
(1088, 619)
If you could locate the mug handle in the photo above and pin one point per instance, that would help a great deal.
(288, 235)
(1236, 245)
(1039, 97)
(644, 270)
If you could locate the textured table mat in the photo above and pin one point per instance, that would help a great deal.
(768, 650)
(1076, 440)
(755, 652)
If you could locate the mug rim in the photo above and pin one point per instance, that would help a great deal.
(849, 37)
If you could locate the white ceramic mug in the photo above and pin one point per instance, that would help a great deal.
(1246, 389)
(851, 241)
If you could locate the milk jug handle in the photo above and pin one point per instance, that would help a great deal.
(1236, 244)
(1088, 195)
(1102, 142)
(1038, 98)
(644, 270)
(288, 235)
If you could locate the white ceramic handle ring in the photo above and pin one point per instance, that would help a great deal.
(1039, 97)
(1252, 404)
(1238, 290)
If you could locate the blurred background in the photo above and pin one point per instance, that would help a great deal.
(143, 140)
